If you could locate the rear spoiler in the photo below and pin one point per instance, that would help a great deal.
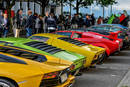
(114, 35)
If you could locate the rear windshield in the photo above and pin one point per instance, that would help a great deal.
(7, 59)
(100, 32)
(64, 33)
(24, 54)
(44, 47)
(72, 41)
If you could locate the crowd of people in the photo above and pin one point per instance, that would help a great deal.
(34, 23)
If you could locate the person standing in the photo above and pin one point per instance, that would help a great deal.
(45, 22)
(87, 21)
(18, 24)
(81, 22)
(129, 25)
(93, 19)
(29, 24)
(40, 24)
(5, 25)
(60, 22)
(100, 20)
(36, 19)
(51, 23)
(68, 23)
(75, 21)
(1, 28)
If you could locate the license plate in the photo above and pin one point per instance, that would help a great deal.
(100, 55)
(64, 77)
(71, 85)
(77, 71)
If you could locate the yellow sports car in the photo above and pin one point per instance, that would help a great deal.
(59, 63)
(25, 53)
(93, 54)
(19, 72)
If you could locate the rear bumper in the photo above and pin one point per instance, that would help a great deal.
(100, 58)
(79, 64)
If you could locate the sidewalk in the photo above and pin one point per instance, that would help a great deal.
(125, 82)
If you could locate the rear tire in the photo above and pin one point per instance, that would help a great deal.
(102, 60)
(6, 83)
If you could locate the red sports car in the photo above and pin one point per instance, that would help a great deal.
(110, 43)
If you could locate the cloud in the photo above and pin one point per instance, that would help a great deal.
(123, 4)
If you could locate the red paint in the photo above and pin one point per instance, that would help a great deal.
(108, 42)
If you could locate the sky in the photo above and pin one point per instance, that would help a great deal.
(123, 4)
(97, 10)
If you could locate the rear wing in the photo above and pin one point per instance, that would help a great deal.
(114, 35)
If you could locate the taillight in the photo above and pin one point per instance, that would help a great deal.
(95, 57)
(50, 75)
(84, 61)
(72, 67)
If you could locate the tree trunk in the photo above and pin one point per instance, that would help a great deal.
(21, 5)
(77, 6)
(103, 11)
(43, 9)
(70, 8)
(34, 7)
(111, 9)
(9, 17)
(28, 7)
(61, 7)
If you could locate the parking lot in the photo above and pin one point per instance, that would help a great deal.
(109, 74)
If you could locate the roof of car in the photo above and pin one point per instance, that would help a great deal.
(69, 31)
(116, 25)
(49, 35)
(12, 39)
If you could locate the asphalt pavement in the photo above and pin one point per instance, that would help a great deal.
(115, 72)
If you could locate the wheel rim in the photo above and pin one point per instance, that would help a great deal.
(4, 84)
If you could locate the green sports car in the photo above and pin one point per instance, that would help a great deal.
(46, 49)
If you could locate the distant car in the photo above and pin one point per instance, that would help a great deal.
(93, 54)
(101, 30)
(59, 56)
(117, 25)
(110, 45)
(122, 33)
(19, 72)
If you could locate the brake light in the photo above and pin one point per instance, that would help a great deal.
(50, 75)
(72, 67)
(95, 57)
(84, 61)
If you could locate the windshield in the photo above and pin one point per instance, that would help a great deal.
(114, 29)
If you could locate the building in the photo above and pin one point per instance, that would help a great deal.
(36, 8)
